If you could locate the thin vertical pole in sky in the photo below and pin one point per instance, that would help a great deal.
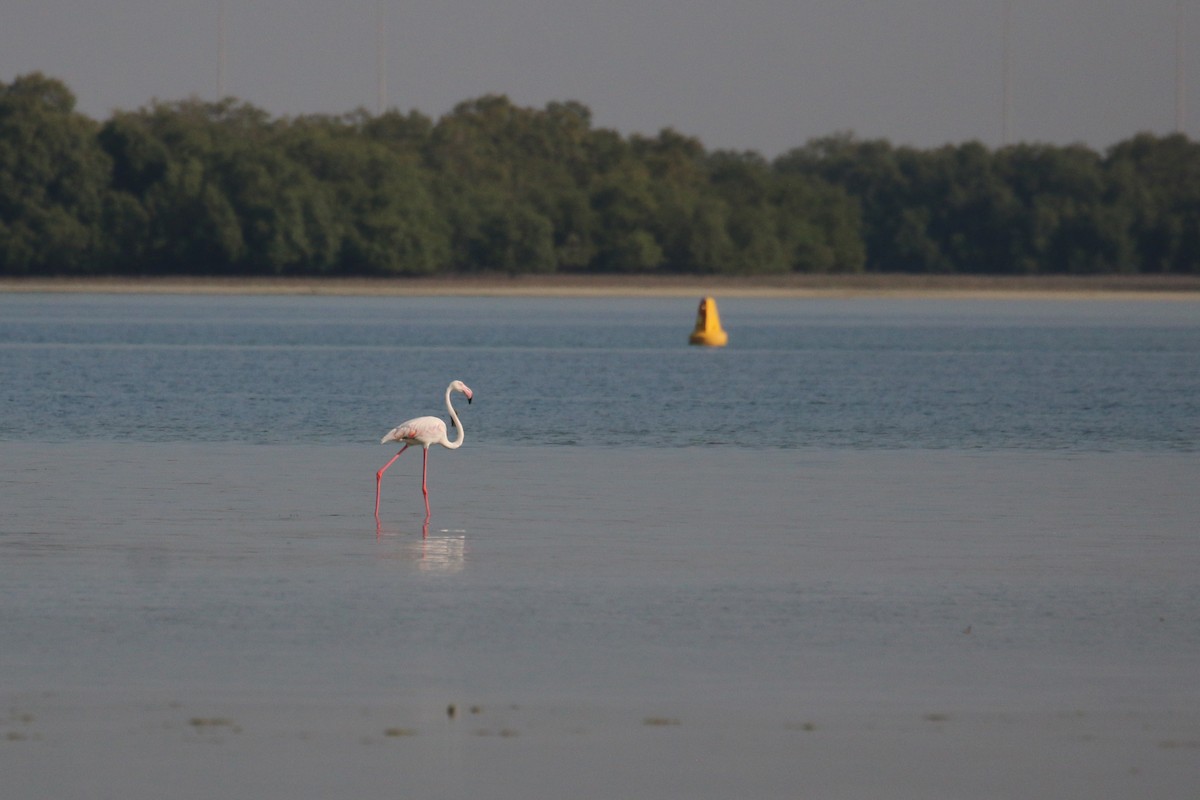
(1006, 69)
(1180, 82)
(381, 56)
(221, 50)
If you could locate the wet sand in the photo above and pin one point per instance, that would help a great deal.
(183, 746)
(1159, 287)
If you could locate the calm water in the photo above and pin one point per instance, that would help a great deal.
(866, 374)
(858, 506)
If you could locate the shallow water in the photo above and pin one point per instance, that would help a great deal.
(937, 532)
(598, 573)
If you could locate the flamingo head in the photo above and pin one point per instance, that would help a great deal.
(459, 386)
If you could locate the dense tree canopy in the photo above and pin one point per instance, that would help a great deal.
(1022, 209)
(194, 187)
(53, 179)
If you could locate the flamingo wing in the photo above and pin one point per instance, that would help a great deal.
(422, 430)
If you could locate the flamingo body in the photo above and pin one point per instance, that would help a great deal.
(424, 431)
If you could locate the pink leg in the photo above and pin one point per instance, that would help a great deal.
(379, 478)
(424, 487)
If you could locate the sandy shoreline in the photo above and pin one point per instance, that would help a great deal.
(1146, 287)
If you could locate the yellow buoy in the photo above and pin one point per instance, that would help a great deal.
(708, 330)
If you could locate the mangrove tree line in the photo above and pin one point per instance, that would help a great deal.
(197, 187)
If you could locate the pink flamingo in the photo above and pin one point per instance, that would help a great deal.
(424, 431)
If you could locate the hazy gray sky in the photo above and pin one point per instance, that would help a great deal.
(762, 75)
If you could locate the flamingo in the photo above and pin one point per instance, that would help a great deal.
(424, 431)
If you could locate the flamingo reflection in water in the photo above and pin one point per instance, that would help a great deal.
(444, 552)
(425, 431)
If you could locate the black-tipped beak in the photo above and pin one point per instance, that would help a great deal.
(468, 401)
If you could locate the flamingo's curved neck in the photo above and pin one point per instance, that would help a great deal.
(457, 443)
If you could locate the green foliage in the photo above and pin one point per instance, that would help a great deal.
(53, 177)
(1162, 179)
(1021, 209)
(222, 188)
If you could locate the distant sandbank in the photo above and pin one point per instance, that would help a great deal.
(1158, 287)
